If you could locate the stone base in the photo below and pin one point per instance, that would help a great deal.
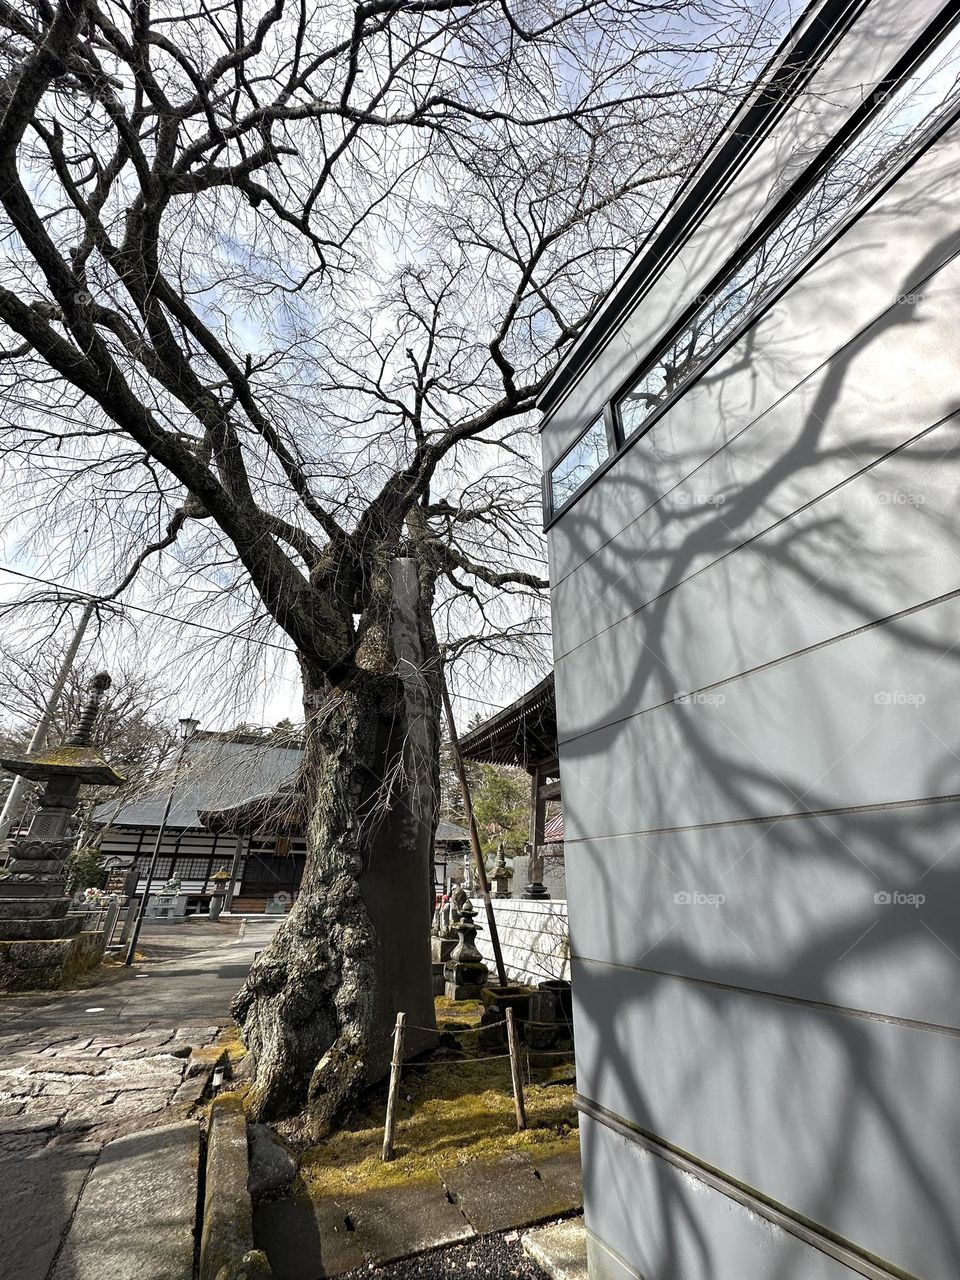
(36, 929)
(438, 979)
(38, 908)
(560, 1249)
(462, 990)
(49, 965)
(28, 886)
(466, 974)
(441, 949)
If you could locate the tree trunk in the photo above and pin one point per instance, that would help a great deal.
(319, 1004)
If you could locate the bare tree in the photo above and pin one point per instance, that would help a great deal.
(282, 288)
(133, 724)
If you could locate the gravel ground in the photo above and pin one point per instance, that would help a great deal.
(496, 1257)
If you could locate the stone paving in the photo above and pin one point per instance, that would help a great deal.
(59, 1088)
(68, 1102)
(311, 1238)
(97, 1088)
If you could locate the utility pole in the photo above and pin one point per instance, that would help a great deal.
(188, 727)
(474, 833)
(43, 724)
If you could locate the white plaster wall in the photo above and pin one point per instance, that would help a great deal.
(533, 937)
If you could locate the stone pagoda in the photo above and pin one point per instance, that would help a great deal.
(465, 972)
(41, 948)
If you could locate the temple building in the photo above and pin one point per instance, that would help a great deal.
(751, 479)
(219, 771)
(235, 810)
(524, 735)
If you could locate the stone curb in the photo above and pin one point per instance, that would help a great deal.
(559, 1249)
(226, 1242)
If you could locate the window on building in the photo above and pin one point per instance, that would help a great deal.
(195, 868)
(162, 871)
(851, 173)
(578, 464)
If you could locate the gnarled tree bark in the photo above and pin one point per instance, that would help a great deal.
(318, 1006)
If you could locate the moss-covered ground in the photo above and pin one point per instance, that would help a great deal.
(453, 1109)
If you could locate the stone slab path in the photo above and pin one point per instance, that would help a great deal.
(311, 1239)
(96, 1086)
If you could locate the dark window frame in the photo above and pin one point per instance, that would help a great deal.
(935, 31)
(603, 418)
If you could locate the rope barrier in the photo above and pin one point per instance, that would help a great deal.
(513, 1055)
(488, 1026)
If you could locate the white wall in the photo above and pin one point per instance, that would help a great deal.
(534, 938)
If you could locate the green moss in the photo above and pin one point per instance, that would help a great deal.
(235, 1097)
(450, 1112)
(452, 1015)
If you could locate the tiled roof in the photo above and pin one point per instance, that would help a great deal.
(215, 774)
(525, 733)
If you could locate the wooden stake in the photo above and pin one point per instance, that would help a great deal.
(474, 833)
(396, 1063)
(515, 1072)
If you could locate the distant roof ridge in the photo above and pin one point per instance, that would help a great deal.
(252, 737)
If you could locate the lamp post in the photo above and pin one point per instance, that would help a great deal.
(188, 728)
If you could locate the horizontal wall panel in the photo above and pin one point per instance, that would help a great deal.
(790, 459)
(868, 720)
(871, 549)
(857, 910)
(852, 290)
(827, 1114)
(675, 1227)
(837, 88)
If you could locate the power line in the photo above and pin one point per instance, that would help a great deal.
(154, 613)
(189, 622)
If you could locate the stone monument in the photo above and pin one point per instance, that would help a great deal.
(41, 948)
(465, 973)
(501, 875)
(168, 905)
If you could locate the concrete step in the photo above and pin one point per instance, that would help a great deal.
(22, 887)
(560, 1250)
(32, 930)
(137, 1213)
(39, 1195)
(49, 908)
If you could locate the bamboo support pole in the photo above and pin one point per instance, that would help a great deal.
(515, 1072)
(396, 1064)
(474, 834)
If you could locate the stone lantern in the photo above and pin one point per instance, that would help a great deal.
(220, 880)
(465, 973)
(50, 949)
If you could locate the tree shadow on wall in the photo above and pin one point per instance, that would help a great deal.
(798, 1035)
